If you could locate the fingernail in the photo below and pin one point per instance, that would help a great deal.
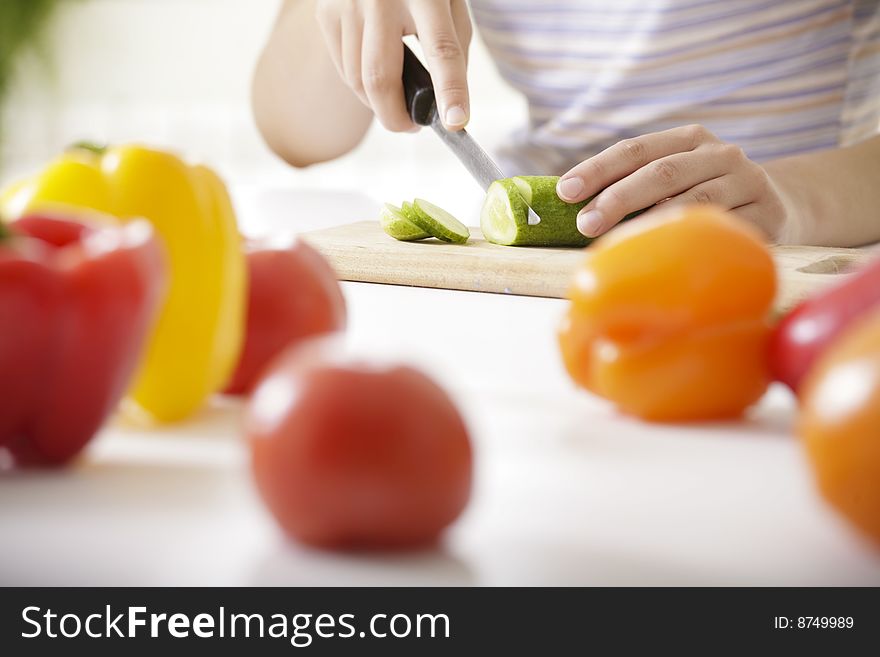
(569, 188)
(455, 116)
(590, 223)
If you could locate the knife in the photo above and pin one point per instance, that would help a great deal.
(422, 107)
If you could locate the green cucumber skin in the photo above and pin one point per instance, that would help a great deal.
(558, 225)
(428, 224)
(396, 224)
(406, 209)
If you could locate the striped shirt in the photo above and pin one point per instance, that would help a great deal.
(777, 77)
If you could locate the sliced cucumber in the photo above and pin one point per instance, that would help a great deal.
(438, 222)
(525, 189)
(407, 209)
(504, 217)
(394, 222)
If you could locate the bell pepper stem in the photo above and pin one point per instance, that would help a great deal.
(86, 145)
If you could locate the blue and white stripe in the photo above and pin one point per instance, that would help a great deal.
(776, 77)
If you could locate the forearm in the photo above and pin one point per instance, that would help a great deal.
(302, 107)
(832, 197)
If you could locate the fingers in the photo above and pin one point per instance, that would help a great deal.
(626, 157)
(723, 191)
(331, 30)
(382, 61)
(661, 179)
(461, 18)
(364, 40)
(446, 60)
(352, 30)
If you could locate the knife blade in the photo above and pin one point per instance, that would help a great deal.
(422, 107)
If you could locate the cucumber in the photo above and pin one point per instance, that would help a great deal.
(437, 221)
(394, 222)
(504, 217)
(407, 209)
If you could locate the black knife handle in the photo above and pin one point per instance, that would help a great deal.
(417, 88)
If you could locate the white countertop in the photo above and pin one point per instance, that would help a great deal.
(566, 491)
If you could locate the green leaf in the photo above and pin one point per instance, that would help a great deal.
(22, 22)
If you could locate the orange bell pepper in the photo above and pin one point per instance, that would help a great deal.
(669, 316)
(839, 424)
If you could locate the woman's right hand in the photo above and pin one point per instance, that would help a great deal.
(364, 40)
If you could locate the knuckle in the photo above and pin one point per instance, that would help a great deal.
(611, 200)
(452, 91)
(377, 81)
(444, 46)
(732, 153)
(701, 196)
(697, 134)
(634, 151)
(665, 172)
(763, 184)
(592, 169)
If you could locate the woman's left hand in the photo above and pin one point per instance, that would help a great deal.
(682, 165)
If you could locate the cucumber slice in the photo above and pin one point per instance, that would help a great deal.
(438, 222)
(504, 217)
(394, 222)
(525, 189)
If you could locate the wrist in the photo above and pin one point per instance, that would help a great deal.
(792, 225)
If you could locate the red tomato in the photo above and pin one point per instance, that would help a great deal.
(293, 294)
(808, 330)
(349, 454)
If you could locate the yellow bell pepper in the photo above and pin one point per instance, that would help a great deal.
(199, 333)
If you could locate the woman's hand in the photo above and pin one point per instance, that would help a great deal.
(364, 40)
(681, 165)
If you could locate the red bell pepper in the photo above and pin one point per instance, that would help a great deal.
(77, 301)
(817, 323)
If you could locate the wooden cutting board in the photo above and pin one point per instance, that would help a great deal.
(362, 252)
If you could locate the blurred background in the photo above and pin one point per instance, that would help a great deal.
(176, 73)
